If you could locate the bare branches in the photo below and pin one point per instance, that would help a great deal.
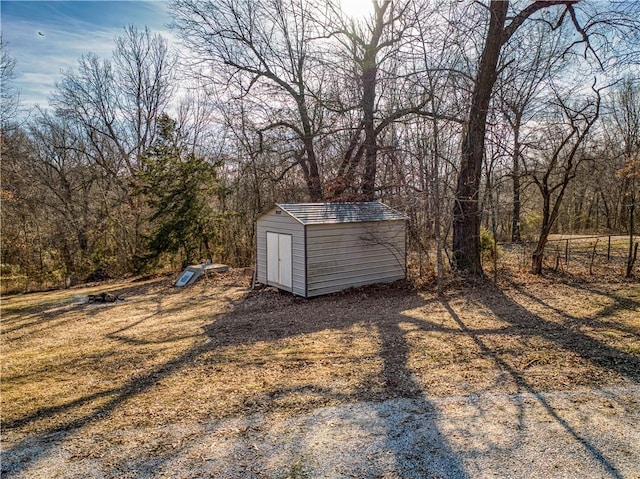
(9, 97)
(532, 8)
(264, 50)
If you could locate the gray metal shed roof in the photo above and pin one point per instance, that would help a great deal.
(329, 213)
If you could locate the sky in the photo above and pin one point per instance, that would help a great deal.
(48, 37)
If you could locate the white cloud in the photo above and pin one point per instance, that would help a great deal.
(51, 39)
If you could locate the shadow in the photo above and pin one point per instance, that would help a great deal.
(284, 317)
(398, 409)
(42, 320)
(55, 312)
(57, 422)
(86, 360)
(65, 311)
(14, 457)
(120, 336)
(401, 424)
(225, 331)
(268, 319)
(566, 338)
(619, 303)
(389, 405)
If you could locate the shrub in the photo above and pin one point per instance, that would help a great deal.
(488, 243)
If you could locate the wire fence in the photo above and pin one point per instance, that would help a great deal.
(596, 255)
(592, 255)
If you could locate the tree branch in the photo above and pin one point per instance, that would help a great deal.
(530, 10)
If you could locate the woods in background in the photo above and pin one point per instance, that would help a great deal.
(520, 118)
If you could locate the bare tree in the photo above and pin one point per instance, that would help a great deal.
(9, 97)
(59, 167)
(553, 167)
(466, 226)
(442, 74)
(23, 250)
(367, 42)
(144, 70)
(263, 50)
(116, 103)
(382, 54)
(529, 60)
(501, 28)
(626, 115)
(49, 208)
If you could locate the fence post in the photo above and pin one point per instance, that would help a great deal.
(609, 250)
(566, 254)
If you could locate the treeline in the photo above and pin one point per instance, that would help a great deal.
(521, 119)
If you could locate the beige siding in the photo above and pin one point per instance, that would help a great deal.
(340, 256)
(281, 223)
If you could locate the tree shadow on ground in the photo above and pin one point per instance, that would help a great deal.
(21, 455)
(59, 306)
(418, 450)
(617, 304)
(566, 337)
(379, 311)
(56, 422)
(250, 324)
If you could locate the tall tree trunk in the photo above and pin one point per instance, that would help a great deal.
(437, 215)
(314, 184)
(310, 164)
(515, 220)
(466, 221)
(607, 210)
(550, 212)
(537, 257)
(632, 254)
(624, 194)
(369, 81)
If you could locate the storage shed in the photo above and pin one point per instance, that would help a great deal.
(311, 249)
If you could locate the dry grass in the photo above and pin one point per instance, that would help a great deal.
(177, 356)
(66, 361)
(581, 257)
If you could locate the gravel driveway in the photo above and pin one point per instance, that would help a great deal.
(586, 433)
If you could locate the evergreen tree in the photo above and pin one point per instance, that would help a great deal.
(180, 189)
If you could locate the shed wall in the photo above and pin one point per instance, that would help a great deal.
(343, 255)
(281, 223)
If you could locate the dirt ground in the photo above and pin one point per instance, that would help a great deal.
(164, 381)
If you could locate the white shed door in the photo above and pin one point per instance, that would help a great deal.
(279, 259)
(273, 274)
